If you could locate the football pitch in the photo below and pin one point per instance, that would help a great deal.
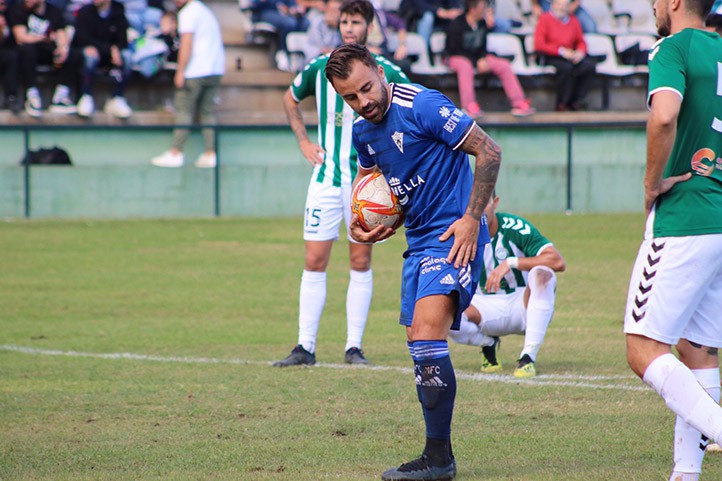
(142, 350)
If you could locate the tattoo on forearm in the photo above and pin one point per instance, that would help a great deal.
(488, 160)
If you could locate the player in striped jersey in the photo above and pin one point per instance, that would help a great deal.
(329, 194)
(516, 291)
(675, 290)
(421, 142)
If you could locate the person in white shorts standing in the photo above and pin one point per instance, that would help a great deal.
(675, 291)
(334, 162)
(516, 291)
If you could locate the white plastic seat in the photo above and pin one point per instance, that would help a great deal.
(295, 44)
(599, 45)
(601, 12)
(509, 46)
(531, 56)
(645, 41)
(509, 10)
(416, 47)
(640, 14)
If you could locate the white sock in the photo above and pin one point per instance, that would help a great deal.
(32, 92)
(358, 300)
(540, 309)
(470, 333)
(689, 444)
(684, 395)
(312, 298)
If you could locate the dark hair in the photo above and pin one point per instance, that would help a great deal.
(714, 20)
(699, 7)
(361, 7)
(469, 4)
(339, 62)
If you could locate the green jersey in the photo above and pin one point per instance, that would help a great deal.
(335, 119)
(516, 237)
(689, 63)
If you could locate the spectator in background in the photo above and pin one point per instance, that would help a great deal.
(101, 33)
(323, 34)
(585, 20)
(9, 63)
(142, 16)
(559, 39)
(466, 46)
(39, 31)
(429, 14)
(153, 51)
(201, 64)
(286, 15)
(387, 37)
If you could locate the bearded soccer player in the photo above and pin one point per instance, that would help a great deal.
(420, 141)
(675, 292)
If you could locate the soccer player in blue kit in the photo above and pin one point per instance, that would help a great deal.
(420, 141)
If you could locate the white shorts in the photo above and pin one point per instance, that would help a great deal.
(501, 314)
(675, 291)
(326, 206)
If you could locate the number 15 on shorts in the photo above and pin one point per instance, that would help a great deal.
(313, 219)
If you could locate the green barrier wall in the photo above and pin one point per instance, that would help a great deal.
(262, 172)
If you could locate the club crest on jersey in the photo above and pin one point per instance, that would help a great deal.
(398, 139)
(500, 253)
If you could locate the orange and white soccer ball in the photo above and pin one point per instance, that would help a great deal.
(374, 203)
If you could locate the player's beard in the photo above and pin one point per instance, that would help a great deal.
(663, 23)
(379, 107)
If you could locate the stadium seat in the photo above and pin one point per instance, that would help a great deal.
(606, 21)
(416, 47)
(509, 46)
(295, 43)
(602, 46)
(531, 56)
(645, 42)
(639, 14)
(509, 9)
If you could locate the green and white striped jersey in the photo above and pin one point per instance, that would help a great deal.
(516, 237)
(689, 63)
(335, 119)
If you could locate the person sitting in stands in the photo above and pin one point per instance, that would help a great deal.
(559, 39)
(466, 47)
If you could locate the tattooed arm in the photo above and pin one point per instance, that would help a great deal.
(466, 229)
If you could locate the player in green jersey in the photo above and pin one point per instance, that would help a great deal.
(675, 291)
(329, 193)
(516, 292)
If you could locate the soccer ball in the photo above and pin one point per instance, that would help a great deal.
(374, 203)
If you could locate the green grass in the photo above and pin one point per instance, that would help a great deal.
(227, 290)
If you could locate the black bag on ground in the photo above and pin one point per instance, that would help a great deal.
(53, 156)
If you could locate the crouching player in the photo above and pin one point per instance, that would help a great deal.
(516, 291)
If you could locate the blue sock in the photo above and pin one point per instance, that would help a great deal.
(436, 388)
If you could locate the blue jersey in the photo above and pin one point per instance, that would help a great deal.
(416, 147)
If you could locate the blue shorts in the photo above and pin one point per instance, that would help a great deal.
(427, 273)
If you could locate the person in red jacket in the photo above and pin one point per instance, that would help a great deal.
(559, 39)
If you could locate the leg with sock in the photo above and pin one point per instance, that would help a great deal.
(539, 312)
(684, 395)
(312, 298)
(689, 443)
(358, 301)
(436, 390)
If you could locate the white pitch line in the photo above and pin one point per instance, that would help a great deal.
(561, 380)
